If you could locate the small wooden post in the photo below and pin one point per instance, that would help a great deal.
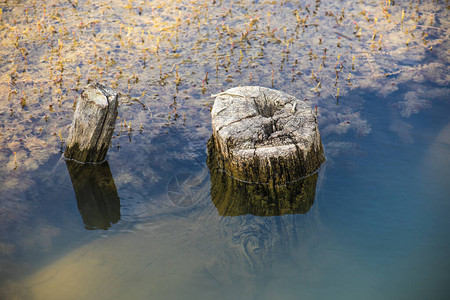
(93, 124)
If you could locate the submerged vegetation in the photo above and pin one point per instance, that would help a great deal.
(167, 57)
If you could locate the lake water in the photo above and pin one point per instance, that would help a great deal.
(376, 228)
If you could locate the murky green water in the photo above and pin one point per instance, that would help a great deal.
(164, 224)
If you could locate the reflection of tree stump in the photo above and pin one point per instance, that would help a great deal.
(96, 193)
(93, 124)
(265, 136)
(233, 197)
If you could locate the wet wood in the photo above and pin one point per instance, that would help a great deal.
(234, 197)
(265, 136)
(93, 124)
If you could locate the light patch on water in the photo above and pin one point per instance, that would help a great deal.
(200, 257)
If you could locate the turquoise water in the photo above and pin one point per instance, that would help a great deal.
(385, 205)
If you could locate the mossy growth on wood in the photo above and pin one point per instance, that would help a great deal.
(233, 197)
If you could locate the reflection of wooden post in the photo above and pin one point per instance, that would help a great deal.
(96, 193)
(93, 124)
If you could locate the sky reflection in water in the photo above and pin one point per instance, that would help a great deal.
(378, 225)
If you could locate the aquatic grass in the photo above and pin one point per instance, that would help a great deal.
(58, 47)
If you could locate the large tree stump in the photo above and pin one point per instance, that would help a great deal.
(93, 124)
(265, 136)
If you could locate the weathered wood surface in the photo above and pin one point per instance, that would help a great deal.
(265, 136)
(93, 124)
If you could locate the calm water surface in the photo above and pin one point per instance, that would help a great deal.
(378, 227)
(157, 228)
